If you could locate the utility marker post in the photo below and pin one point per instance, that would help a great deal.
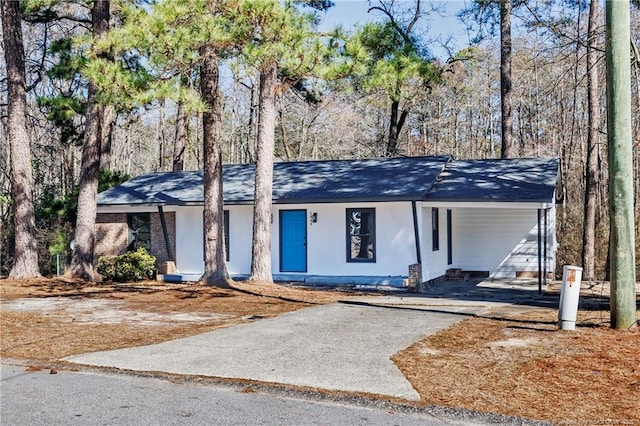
(622, 241)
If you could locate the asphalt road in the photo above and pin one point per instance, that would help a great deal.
(81, 398)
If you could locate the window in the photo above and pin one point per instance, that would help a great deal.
(435, 229)
(361, 235)
(226, 234)
(139, 231)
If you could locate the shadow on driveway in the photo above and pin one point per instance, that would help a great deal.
(519, 292)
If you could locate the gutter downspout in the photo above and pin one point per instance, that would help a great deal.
(165, 233)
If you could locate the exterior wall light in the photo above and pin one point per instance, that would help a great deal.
(313, 217)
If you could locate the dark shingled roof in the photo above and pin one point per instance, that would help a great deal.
(390, 179)
(511, 180)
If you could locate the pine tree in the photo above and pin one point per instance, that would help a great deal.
(398, 63)
(284, 48)
(83, 253)
(25, 264)
(171, 39)
(488, 13)
(593, 145)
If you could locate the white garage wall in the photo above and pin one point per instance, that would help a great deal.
(501, 241)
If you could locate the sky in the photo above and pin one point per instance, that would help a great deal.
(348, 13)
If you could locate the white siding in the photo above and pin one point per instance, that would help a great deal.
(552, 242)
(434, 263)
(240, 235)
(327, 240)
(500, 241)
(189, 240)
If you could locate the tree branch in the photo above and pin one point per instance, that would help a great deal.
(404, 34)
(40, 67)
(415, 18)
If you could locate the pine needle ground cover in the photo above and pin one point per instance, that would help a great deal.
(525, 367)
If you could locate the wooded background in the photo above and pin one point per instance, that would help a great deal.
(396, 99)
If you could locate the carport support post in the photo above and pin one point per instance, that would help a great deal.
(165, 233)
(416, 234)
(546, 231)
(539, 251)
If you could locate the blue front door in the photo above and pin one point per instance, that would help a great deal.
(293, 240)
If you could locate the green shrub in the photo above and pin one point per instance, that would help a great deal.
(131, 266)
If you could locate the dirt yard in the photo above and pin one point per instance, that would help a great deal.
(516, 364)
(47, 319)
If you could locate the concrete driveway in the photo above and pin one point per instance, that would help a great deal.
(340, 346)
(343, 346)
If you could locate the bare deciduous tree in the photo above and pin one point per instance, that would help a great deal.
(593, 144)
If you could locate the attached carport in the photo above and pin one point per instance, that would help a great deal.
(494, 216)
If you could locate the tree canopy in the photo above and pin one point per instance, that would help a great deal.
(374, 90)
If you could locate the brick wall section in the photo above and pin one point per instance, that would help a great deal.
(415, 275)
(112, 235)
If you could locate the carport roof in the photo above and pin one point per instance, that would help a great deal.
(389, 179)
(524, 180)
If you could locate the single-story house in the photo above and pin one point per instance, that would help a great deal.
(351, 221)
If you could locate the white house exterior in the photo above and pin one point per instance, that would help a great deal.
(342, 222)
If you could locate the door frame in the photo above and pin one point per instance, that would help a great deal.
(281, 247)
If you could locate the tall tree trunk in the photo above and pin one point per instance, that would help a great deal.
(261, 245)
(215, 268)
(395, 127)
(25, 263)
(593, 146)
(160, 136)
(283, 132)
(506, 102)
(180, 140)
(253, 124)
(108, 123)
(82, 260)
